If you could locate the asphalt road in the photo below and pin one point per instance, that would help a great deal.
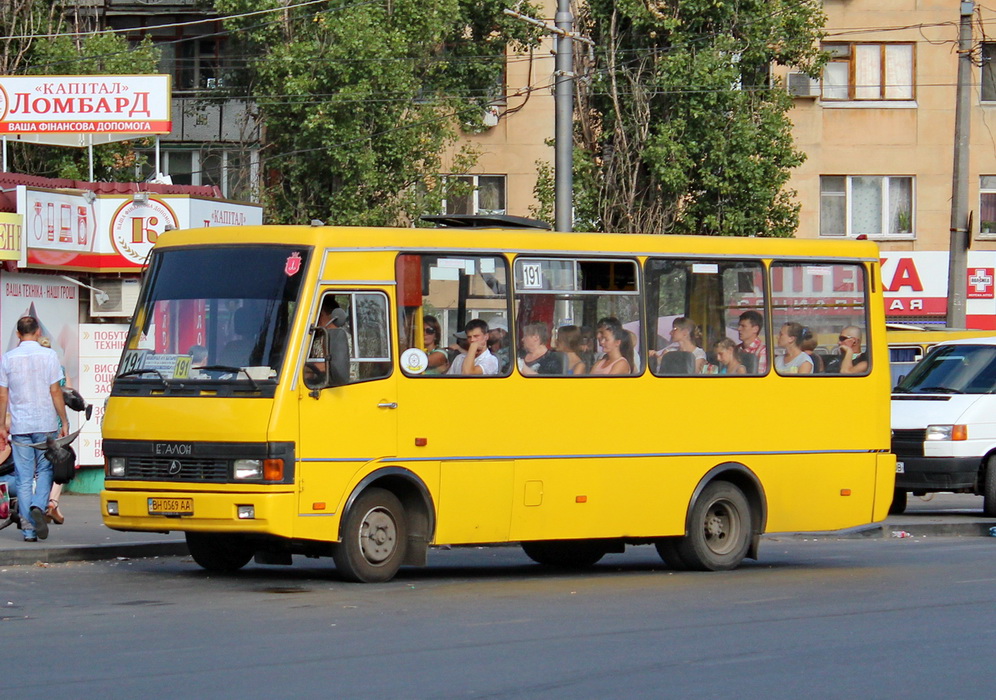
(912, 618)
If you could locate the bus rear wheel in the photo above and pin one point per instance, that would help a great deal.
(719, 530)
(221, 553)
(667, 548)
(565, 554)
(374, 535)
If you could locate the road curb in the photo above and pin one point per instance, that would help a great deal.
(898, 530)
(88, 552)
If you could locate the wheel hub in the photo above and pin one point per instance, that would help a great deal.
(378, 536)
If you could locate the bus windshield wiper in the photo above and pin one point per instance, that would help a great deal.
(234, 370)
(156, 372)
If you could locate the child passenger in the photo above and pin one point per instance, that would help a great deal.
(726, 355)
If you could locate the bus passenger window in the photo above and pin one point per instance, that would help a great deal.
(442, 298)
(577, 317)
(354, 337)
(706, 317)
(826, 304)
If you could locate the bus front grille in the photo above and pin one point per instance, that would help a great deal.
(187, 469)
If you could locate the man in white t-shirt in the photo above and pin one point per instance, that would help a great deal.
(30, 390)
(478, 359)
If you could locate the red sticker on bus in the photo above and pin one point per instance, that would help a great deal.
(293, 265)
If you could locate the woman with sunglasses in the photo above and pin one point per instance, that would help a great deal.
(439, 360)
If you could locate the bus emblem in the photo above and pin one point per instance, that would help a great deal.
(174, 467)
(293, 265)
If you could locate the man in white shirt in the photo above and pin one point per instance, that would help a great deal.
(478, 359)
(29, 389)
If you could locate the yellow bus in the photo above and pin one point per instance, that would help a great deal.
(282, 392)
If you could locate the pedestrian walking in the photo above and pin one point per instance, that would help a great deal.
(30, 390)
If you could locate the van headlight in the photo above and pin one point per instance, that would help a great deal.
(947, 432)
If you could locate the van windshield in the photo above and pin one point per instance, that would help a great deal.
(953, 369)
(214, 314)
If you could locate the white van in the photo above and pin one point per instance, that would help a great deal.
(944, 423)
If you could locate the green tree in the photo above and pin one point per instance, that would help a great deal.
(359, 99)
(41, 37)
(680, 128)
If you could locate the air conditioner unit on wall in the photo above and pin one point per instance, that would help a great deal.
(122, 297)
(801, 85)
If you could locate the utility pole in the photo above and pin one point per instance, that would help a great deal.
(563, 94)
(960, 235)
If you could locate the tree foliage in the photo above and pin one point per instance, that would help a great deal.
(359, 99)
(680, 128)
(78, 49)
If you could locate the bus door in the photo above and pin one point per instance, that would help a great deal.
(354, 422)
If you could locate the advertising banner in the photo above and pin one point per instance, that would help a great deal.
(100, 350)
(78, 230)
(85, 104)
(11, 235)
(916, 285)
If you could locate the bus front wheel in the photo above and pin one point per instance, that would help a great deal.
(373, 538)
(221, 553)
(719, 530)
(565, 554)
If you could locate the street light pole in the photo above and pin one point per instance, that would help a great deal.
(960, 235)
(564, 127)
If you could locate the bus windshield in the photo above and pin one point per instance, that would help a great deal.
(215, 314)
(953, 369)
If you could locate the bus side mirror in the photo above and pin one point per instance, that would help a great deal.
(331, 368)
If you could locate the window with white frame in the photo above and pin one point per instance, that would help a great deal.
(988, 53)
(987, 205)
(234, 171)
(873, 205)
(868, 72)
(474, 194)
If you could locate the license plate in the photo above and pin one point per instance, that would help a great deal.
(171, 506)
(900, 468)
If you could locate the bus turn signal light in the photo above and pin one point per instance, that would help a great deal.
(845, 492)
(421, 442)
(580, 499)
(273, 469)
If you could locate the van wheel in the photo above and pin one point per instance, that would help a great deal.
(221, 553)
(565, 554)
(667, 548)
(898, 506)
(374, 536)
(719, 529)
(989, 488)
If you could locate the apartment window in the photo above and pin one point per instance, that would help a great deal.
(233, 171)
(474, 194)
(874, 205)
(987, 205)
(988, 76)
(868, 72)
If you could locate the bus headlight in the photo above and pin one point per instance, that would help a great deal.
(248, 469)
(947, 432)
(116, 466)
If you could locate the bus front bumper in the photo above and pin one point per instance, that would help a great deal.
(158, 511)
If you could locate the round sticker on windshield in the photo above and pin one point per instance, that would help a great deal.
(414, 361)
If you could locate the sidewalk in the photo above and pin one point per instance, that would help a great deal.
(83, 537)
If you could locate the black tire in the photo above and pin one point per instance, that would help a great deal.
(565, 554)
(667, 548)
(374, 537)
(899, 498)
(719, 531)
(989, 489)
(220, 553)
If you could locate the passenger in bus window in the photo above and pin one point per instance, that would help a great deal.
(794, 361)
(616, 348)
(749, 330)
(569, 343)
(809, 347)
(498, 343)
(686, 337)
(852, 360)
(727, 357)
(478, 359)
(439, 359)
(535, 357)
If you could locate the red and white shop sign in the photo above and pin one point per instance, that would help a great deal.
(85, 104)
(980, 283)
